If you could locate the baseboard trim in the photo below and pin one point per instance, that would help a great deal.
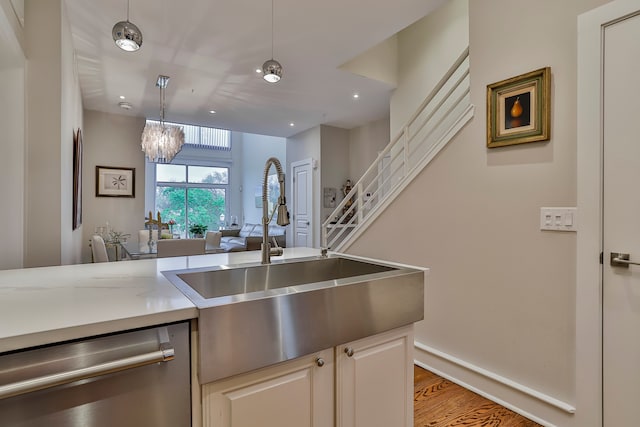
(494, 377)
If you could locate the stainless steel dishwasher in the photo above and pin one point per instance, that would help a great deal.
(137, 378)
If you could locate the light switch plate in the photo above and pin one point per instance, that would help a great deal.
(559, 219)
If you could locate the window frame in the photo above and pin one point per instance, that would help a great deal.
(187, 185)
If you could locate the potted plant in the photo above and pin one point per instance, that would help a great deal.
(198, 230)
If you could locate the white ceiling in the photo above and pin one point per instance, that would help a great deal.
(211, 50)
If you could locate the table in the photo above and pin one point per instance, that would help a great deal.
(132, 251)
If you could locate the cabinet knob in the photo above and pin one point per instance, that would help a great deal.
(348, 351)
(320, 362)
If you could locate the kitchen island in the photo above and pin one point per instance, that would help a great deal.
(354, 382)
(51, 304)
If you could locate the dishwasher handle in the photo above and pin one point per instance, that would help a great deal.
(164, 354)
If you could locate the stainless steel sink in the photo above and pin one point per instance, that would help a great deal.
(254, 315)
(260, 278)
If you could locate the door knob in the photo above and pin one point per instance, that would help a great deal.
(621, 260)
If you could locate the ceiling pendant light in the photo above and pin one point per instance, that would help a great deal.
(161, 142)
(271, 69)
(127, 35)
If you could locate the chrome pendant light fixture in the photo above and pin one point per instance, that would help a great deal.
(161, 142)
(127, 35)
(271, 69)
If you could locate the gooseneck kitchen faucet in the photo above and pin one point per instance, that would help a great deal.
(283, 215)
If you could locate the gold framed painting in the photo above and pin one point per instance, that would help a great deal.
(519, 109)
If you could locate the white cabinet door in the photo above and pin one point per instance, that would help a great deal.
(298, 393)
(374, 381)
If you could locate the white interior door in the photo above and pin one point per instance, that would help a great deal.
(621, 222)
(302, 203)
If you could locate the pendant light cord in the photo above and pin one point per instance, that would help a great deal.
(127, 10)
(271, 29)
(161, 106)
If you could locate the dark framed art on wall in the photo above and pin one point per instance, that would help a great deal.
(115, 181)
(77, 179)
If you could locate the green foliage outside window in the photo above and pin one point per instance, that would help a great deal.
(188, 204)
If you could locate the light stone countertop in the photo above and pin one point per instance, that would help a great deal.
(52, 304)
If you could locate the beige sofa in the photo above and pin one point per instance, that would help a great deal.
(249, 237)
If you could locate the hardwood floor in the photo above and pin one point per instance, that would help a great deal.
(441, 403)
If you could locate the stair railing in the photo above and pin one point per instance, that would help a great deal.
(436, 121)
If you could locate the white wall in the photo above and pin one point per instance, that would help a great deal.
(379, 62)
(12, 92)
(301, 146)
(42, 220)
(329, 147)
(11, 31)
(12, 139)
(111, 140)
(71, 242)
(256, 149)
(12, 166)
(53, 111)
(444, 35)
(236, 180)
(334, 171)
(501, 293)
(365, 142)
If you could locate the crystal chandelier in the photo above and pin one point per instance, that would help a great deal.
(161, 142)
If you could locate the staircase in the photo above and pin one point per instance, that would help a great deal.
(438, 119)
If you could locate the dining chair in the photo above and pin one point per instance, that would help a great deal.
(99, 249)
(180, 247)
(212, 242)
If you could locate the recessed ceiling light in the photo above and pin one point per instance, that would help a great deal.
(212, 111)
(356, 96)
(122, 97)
(258, 70)
(292, 124)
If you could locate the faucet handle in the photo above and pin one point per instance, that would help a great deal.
(278, 251)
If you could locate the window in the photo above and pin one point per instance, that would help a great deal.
(273, 191)
(191, 195)
(204, 137)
